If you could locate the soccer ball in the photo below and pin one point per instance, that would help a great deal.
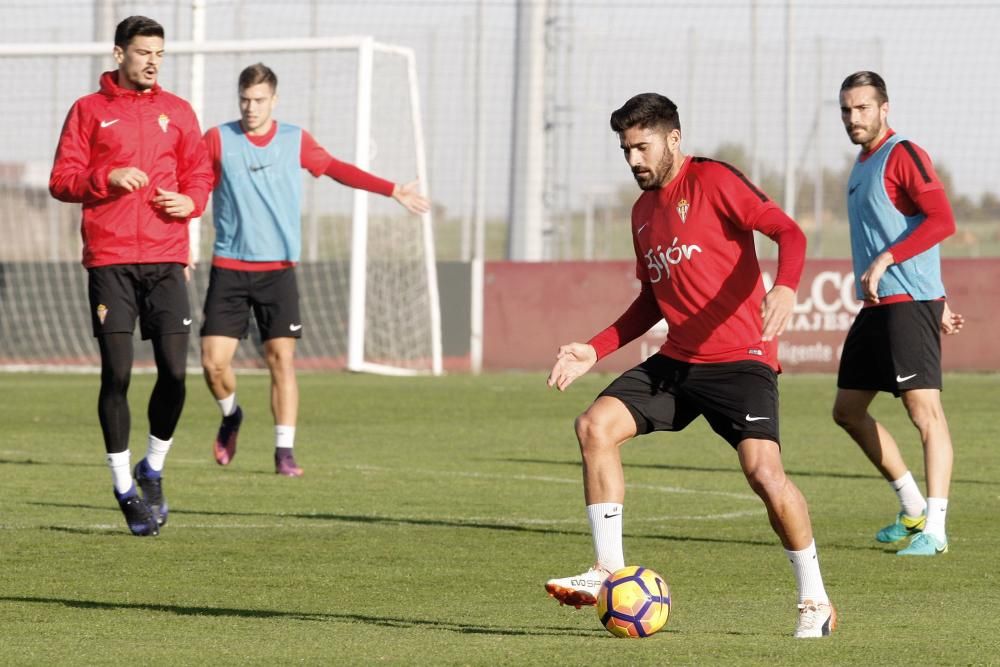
(633, 602)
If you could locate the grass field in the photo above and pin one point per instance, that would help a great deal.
(431, 512)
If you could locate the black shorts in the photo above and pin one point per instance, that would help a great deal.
(272, 295)
(895, 348)
(739, 399)
(155, 293)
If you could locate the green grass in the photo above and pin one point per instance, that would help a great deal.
(432, 511)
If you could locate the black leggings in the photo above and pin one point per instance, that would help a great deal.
(166, 401)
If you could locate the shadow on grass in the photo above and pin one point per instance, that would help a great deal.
(382, 621)
(61, 464)
(735, 470)
(443, 523)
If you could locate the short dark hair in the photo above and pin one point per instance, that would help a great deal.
(646, 110)
(136, 26)
(866, 78)
(258, 73)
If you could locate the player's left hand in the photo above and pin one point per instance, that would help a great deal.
(174, 204)
(776, 310)
(873, 274)
(190, 267)
(951, 323)
(410, 198)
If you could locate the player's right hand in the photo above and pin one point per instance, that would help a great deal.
(573, 360)
(129, 179)
(873, 274)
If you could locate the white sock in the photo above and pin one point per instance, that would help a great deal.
(227, 404)
(156, 452)
(911, 501)
(606, 528)
(937, 511)
(805, 565)
(284, 436)
(121, 470)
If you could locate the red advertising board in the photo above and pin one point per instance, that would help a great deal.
(532, 308)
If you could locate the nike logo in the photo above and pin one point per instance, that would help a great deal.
(294, 327)
(611, 516)
(109, 123)
(900, 378)
(640, 229)
(853, 188)
(754, 419)
(258, 167)
(186, 321)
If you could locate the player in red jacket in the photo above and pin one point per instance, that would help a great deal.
(132, 155)
(692, 229)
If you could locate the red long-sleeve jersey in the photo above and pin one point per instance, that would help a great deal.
(696, 262)
(914, 187)
(154, 131)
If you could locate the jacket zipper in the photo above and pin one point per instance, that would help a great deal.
(137, 99)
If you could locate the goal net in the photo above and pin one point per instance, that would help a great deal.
(367, 278)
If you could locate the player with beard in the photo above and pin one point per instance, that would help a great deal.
(692, 229)
(899, 214)
(132, 155)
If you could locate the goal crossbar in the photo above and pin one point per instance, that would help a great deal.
(365, 46)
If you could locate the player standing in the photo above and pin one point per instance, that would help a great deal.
(132, 155)
(692, 229)
(257, 216)
(899, 214)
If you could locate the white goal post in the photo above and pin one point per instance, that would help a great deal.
(368, 276)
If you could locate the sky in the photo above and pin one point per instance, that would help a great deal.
(939, 60)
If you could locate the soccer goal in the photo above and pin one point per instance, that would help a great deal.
(368, 277)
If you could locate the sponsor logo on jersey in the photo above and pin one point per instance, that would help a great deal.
(660, 260)
(682, 209)
(756, 351)
(164, 121)
(109, 123)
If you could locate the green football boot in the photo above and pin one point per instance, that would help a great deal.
(924, 544)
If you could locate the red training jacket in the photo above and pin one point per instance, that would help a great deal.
(154, 131)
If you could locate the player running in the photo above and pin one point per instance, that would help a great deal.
(899, 214)
(257, 216)
(692, 229)
(132, 155)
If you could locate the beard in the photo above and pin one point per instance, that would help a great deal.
(653, 179)
(866, 135)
